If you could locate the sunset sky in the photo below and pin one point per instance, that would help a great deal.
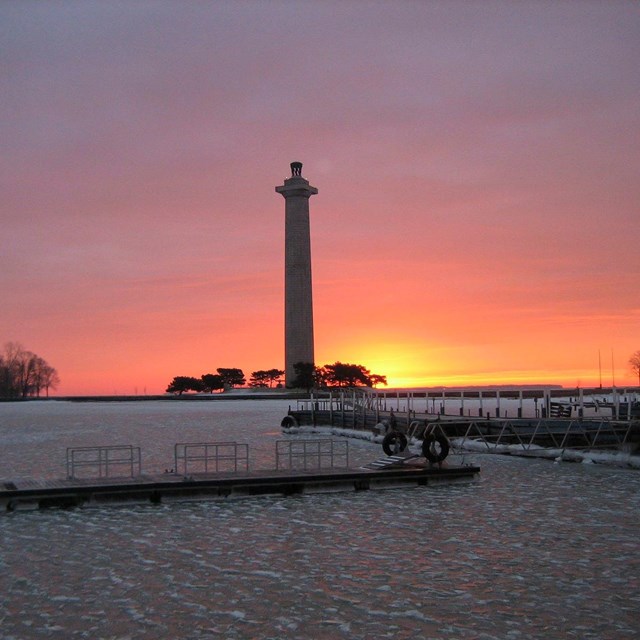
(477, 165)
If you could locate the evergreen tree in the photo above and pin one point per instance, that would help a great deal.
(180, 384)
(232, 377)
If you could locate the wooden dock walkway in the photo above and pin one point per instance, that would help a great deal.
(169, 487)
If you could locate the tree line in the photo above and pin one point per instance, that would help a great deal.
(225, 379)
(308, 376)
(208, 382)
(24, 374)
(338, 374)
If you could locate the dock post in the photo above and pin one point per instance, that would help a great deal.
(520, 404)
(547, 403)
(462, 403)
(480, 411)
(497, 404)
(353, 411)
(581, 403)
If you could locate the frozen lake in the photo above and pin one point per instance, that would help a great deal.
(532, 550)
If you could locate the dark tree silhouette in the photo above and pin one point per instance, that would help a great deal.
(342, 374)
(264, 378)
(180, 384)
(258, 379)
(338, 374)
(634, 361)
(212, 382)
(305, 376)
(24, 374)
(375, 380)
(232, 377)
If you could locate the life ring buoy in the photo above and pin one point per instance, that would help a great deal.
(394, 442)
(289, 422)
(432, 452)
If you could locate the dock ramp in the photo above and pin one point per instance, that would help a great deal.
(391, 462)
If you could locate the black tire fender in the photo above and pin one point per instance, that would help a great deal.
(289, 422)
(430, 452)
(394, 442)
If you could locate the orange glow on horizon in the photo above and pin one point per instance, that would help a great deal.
(408, 365)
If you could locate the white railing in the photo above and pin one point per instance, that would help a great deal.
(210, 457)
(104, 462)
(312, 454)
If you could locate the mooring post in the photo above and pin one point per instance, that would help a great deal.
(497, 404)
(365, 408)
(462, 403)
(353, 411)
(581, 403)
(520, 404)
(546, 410)
(480, 412)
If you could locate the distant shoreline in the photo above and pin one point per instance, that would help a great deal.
(289, 394)
(191, 397)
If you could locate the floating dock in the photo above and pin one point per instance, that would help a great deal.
(68, 493)
(363, 411)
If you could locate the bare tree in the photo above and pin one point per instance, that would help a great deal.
(12, 364)
(634, 361)
(48, 378)
(24, 374)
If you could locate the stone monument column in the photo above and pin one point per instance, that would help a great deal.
(298, 299)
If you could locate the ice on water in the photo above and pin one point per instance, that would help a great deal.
(533, 550)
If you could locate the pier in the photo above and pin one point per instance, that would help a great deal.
(100, 476)
(602, 419)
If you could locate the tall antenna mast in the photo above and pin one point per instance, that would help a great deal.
(613, 371)
(600, 367)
